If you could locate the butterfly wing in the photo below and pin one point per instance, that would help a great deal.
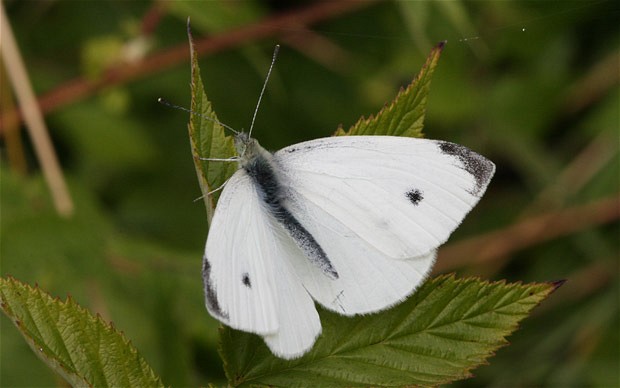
(299, 322)
(379, 206)
(249, 283)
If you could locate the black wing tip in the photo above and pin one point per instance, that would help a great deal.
(481, 168)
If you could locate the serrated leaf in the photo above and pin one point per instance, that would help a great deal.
(405, 115)
(83, 349)
(442, 332)
(207, 139)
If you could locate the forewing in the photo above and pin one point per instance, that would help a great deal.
(238, 270)
(403, 196)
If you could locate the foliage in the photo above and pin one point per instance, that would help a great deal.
(83, 349)
(532, 85)
(440, 334)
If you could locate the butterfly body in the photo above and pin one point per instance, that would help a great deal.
(260, 166)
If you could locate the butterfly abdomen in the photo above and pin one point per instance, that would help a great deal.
(260, 169)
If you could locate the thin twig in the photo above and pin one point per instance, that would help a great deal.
(596, 155)
(43, 147)
(523, 234)
(602, 78)
(577, 174)
(12, 134)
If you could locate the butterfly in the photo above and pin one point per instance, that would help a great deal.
(350, 222)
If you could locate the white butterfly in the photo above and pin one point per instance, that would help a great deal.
(351, 222)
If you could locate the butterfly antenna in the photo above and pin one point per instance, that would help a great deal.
(170, 105)
(260, 97)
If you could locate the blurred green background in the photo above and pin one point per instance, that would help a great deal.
(532, 85)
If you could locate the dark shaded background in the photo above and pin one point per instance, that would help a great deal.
(532, 85)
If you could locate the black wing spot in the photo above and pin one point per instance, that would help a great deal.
(476, 165)
(414, 196)
(246, 280)
(210, 294)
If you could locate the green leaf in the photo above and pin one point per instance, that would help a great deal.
(405, 115)
(447, 328)
(82, 348)
(207, 139)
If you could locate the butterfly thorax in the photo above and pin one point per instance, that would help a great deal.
(257, 162)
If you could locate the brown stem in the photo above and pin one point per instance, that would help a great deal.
(491, 246)
(80, 87)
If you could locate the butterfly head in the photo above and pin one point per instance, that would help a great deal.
(247, 147)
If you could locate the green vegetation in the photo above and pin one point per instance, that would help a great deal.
(531, 85)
